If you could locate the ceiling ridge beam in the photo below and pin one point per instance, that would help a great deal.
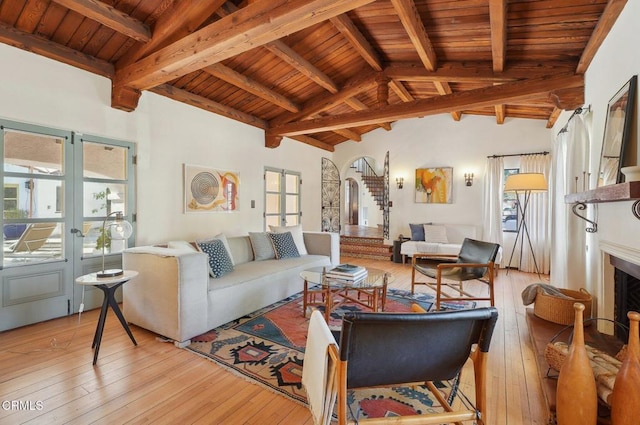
(252, 26)
(487, 96)
(110, 17)
(247, 84)
(49, 49)
(208, 105)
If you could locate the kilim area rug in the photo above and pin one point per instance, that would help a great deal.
(267, 347)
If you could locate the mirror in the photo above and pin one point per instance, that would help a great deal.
(617, 132)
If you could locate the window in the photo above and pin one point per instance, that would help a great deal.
(282, 197)
(509, 205)
(10, 199)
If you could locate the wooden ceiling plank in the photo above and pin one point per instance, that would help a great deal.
(180, 20)
(607, 19)
(255, 25)
(357, 40)
(401, 91)
(109, 16)
(208, 105)
(291, 57)
(247, 84)
(49, 49)
(412, 23)
(487, 96)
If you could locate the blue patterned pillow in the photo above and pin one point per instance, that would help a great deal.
(219, 259)
(284, 245)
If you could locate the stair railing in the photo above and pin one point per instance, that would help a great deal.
(373, 182)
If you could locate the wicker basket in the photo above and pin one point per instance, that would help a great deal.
(560, 310)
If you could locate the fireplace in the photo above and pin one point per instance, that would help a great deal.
(626, 291)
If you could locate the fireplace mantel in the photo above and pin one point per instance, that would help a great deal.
(629, 191)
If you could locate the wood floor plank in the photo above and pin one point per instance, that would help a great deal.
(158, 383)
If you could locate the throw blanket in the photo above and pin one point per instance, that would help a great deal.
(529, 293)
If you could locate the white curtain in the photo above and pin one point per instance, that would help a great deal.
(570, 165)
(494, 175)
(537, 218)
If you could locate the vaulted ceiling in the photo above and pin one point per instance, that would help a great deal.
(326, 71)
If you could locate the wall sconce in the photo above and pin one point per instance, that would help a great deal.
(468, 179)
(400, 182)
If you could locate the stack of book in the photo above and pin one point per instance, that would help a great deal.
(348, 272)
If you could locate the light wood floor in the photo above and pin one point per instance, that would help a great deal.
(159, 383)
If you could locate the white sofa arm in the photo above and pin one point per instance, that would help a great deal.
(169, 295)
(323, 243)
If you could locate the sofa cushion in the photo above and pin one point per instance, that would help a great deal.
(225, 242)
(417, 231)
(262, 246)
(181, 246)
(219, 259)
(283, 245)
(435, 234)
(296, 233)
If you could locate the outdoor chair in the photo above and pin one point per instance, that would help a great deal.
(398, 349)
(32, 239)
(475, 261)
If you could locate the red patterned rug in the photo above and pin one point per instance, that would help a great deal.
(267, 347)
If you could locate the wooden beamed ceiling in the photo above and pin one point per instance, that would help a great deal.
(323, 72)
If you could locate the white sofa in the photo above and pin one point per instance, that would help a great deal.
(175, 297)
(456, 233)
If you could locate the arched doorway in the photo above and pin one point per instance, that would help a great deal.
(351, 201)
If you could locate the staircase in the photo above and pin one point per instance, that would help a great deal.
(361, 247)
(373, 182)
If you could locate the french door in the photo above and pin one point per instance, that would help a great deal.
(58, 187)
(282, 197)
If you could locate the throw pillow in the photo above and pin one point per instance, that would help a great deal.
(262, 246)
(284, 245)
(219, 260)
(435, 234)
(223, 238)
(417, 231)
(296, 233)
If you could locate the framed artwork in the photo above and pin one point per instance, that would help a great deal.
(617, 133)
(210, 190)
(433, 185)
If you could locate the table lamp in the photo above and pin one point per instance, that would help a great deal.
(117, 229)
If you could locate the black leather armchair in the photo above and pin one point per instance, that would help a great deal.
(474, 261)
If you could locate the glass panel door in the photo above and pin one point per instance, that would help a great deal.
(282, 197)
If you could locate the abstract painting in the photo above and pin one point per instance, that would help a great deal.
(433, 185)
(210, 190)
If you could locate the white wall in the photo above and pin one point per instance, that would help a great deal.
(615, 63)
(439, 141)
(167, 134)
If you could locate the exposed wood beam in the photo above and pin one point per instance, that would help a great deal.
(180, 20)
(357, 85)
(349, 134)
(357, 40)
(314, 142)
(487, 96)
(208, 105)
(255, 25)
(444, 89)
(125, 98)
(290, 56)
(553, 117)
(110, 17)
(607, 19)
(247, 84)
(498, 23)
(401, 91)
(470, 72)
(359, 106)
(41, 46)
(410, 18)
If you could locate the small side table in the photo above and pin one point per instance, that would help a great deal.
(397, 257)
(108, 285)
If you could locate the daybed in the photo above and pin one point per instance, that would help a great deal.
(438, 239)
(174, 295)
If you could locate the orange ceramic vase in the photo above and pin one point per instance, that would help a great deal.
(576, 396)
(625, 401)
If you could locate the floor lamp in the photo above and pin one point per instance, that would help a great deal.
(524, 184)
